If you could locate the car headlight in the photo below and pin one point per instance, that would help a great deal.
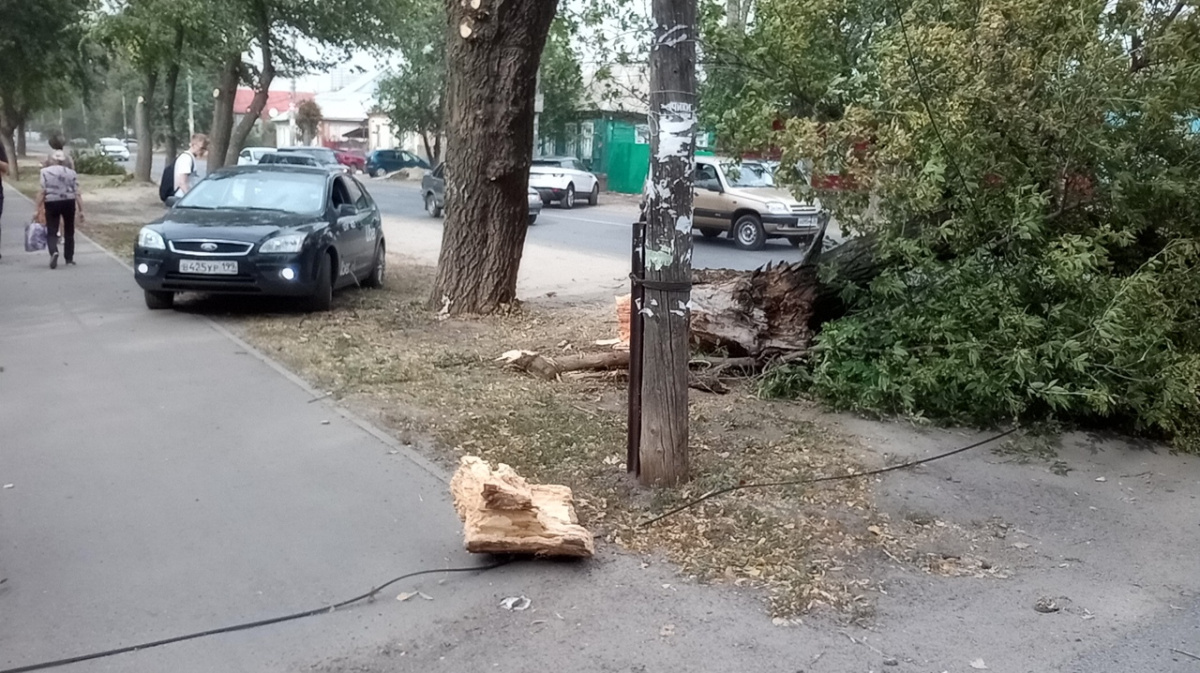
(289, 243)
(778, 207)
(148, 238)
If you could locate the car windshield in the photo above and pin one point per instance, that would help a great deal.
(747, 175)
(302, 193)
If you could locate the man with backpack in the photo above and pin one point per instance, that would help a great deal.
(179, 178)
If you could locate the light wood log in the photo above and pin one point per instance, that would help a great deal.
(504, 514)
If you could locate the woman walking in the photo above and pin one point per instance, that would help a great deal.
(60, 189)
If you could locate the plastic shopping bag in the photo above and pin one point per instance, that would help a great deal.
(35, 237)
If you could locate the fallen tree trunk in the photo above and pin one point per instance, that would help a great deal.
(755, 313)
(504, 514)
(776, 309)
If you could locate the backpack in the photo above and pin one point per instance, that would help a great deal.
(166, 186)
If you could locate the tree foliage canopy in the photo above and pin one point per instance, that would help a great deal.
(1028, 171)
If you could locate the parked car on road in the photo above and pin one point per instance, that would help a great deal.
(289, 231)
(324, 156)
(352, 159)
(562, 179)
(741, 199)
(251, 155)
(114, 148)
(433, 190)
(381, 162)
(289, 159)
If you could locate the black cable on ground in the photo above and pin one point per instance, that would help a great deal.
(248, 625)
(818, 480)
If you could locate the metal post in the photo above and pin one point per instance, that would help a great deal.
(191, 108)
(637, 274)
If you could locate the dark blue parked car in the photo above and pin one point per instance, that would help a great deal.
(275, 230)
(382, 162)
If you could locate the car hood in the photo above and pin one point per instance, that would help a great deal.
(766, 195)
(249, 226)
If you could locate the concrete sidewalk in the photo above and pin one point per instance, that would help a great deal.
(165, 479)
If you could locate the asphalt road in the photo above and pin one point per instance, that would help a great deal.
(604, 230)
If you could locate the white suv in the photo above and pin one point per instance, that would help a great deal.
(561, 179)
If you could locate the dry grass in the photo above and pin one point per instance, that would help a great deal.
(385, 351)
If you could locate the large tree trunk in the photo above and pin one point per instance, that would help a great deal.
(172, 85)
(261, 92)
(21, 139)
(143, 114)
(222, 118)
(492, 56)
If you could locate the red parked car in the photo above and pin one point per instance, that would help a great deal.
(352, 158)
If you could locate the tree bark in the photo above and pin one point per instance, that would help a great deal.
(222, 118)
(21, 139)
(493, 51)
(662, 451)
(143, 114)
(265, 77)
(172, 85)
(428, 148)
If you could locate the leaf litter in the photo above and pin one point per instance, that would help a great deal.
(433, 377)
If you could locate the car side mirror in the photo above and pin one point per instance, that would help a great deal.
(347, 210)
(171, 201)
(710, 185)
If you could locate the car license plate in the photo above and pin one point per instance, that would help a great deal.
(207, 268)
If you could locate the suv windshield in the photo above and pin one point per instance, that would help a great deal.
(302, 193)
(747, 175)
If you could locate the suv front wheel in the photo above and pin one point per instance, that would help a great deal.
(748, 232)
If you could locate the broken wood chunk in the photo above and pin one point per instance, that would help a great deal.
(504, 514)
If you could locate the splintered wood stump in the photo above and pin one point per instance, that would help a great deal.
(504, 514)
(755, 313)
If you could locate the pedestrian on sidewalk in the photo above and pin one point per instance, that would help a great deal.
(3, 172)
(187, 169)
(60, 191)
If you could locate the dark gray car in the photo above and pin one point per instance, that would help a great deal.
(433, 189)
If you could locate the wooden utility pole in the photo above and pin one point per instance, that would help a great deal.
(667, 253)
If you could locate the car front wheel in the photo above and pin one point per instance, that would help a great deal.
(321, 299)
(595, 196)
(157, 301)
(568, 201)
(431, 206)
(748, 233)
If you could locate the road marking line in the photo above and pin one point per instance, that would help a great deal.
(583, 219)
